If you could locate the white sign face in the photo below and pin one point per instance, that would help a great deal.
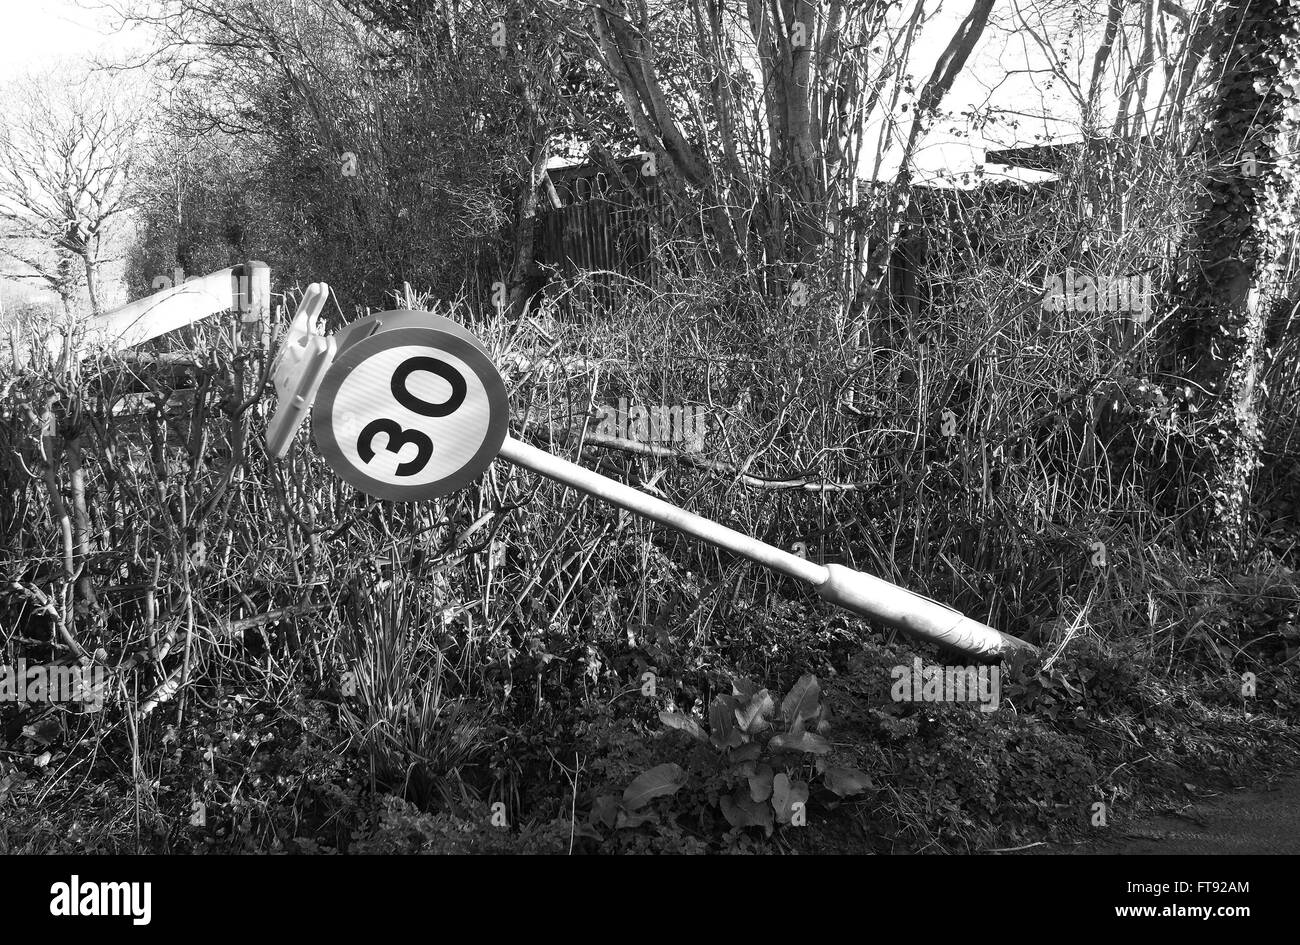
(409, 417)
(411, 413)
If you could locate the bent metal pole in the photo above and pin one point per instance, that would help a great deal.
(860, 593)
(364, 387)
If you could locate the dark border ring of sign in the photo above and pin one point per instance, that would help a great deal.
(440, 340)
(373, 325)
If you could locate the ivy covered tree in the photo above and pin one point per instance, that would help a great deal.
(1234, 256)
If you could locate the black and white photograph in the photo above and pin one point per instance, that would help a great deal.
(672, 427)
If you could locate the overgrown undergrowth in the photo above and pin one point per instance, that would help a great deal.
(294, 668)
(278, 768)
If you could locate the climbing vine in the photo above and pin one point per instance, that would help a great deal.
(1246, 215)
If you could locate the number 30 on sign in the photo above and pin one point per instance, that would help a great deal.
(411, 413)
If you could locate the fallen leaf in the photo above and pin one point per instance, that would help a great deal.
(846, 781)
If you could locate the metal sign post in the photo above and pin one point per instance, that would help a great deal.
(853, 590)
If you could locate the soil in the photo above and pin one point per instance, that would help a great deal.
(1262, 820)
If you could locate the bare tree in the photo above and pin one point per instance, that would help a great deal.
(66, 150)
(358, 125)
(780, 110)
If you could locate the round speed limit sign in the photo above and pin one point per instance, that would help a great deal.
(411, 413)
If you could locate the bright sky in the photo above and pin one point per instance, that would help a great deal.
(38, 31)
(35, 34)
(1001, 74)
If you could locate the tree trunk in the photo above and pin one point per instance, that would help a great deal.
(1233, 250)
(92, 281)
(525, 244)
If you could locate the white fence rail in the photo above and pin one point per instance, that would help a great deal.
(245, 289)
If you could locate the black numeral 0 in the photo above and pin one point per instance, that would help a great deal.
(423, 407)
(398, 436)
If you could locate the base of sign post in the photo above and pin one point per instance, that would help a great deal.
(918, 616)
(860, 593)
